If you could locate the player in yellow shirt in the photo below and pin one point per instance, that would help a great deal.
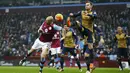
(88, 17)
(70, 42)
(122, 52)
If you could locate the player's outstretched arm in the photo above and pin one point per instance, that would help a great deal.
(93, 15)
(75, 14)
(56, 27)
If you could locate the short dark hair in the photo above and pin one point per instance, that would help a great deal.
(90, 2)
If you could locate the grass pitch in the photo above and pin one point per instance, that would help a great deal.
(19, 69)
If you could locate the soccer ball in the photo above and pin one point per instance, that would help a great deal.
(58, 17)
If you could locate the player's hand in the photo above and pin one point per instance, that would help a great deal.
(127, 36)
(78, 22)
(40, 31)
(71, 14)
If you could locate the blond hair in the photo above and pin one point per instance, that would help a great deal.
(49, 19)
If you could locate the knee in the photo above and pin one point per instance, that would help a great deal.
(31, 50)
(43, 60)
(43, 55)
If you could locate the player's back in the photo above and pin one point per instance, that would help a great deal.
(48, 32)
(56, 40)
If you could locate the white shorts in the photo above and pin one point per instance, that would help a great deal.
(55, 50)
(41, 45)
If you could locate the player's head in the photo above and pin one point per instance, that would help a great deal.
(66, 27)
(119, 29)
(49, 20)
(88, 5)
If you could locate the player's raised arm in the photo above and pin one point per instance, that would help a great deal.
(56, 27)
(75, 14)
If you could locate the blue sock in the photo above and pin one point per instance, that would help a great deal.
(42, 63)
(56, 61)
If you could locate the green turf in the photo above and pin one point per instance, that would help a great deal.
(18, 69)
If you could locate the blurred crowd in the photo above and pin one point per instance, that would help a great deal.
(18, 31)
(10, 3)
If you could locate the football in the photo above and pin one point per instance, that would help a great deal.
(58, 17)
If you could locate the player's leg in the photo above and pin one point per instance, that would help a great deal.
(45, 49)
(89, 49)
(129, 52)
(49, 56)
(87, 58)
(89, 61)
(72, 51)
(119, 54)
(62, 58)
(71, 60)
(42, 60)
(26, 56)
(56, 61)
(129, 60)
(57, 57)
(86, 54)
(126, 55)
(51, 60)
(34, 47)
(53, 53)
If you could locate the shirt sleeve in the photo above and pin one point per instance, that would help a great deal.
(75, 36)
(77, 14)
(93, 15)
(56, 27)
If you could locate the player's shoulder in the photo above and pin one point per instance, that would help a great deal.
(82, 11)
(124, 34)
